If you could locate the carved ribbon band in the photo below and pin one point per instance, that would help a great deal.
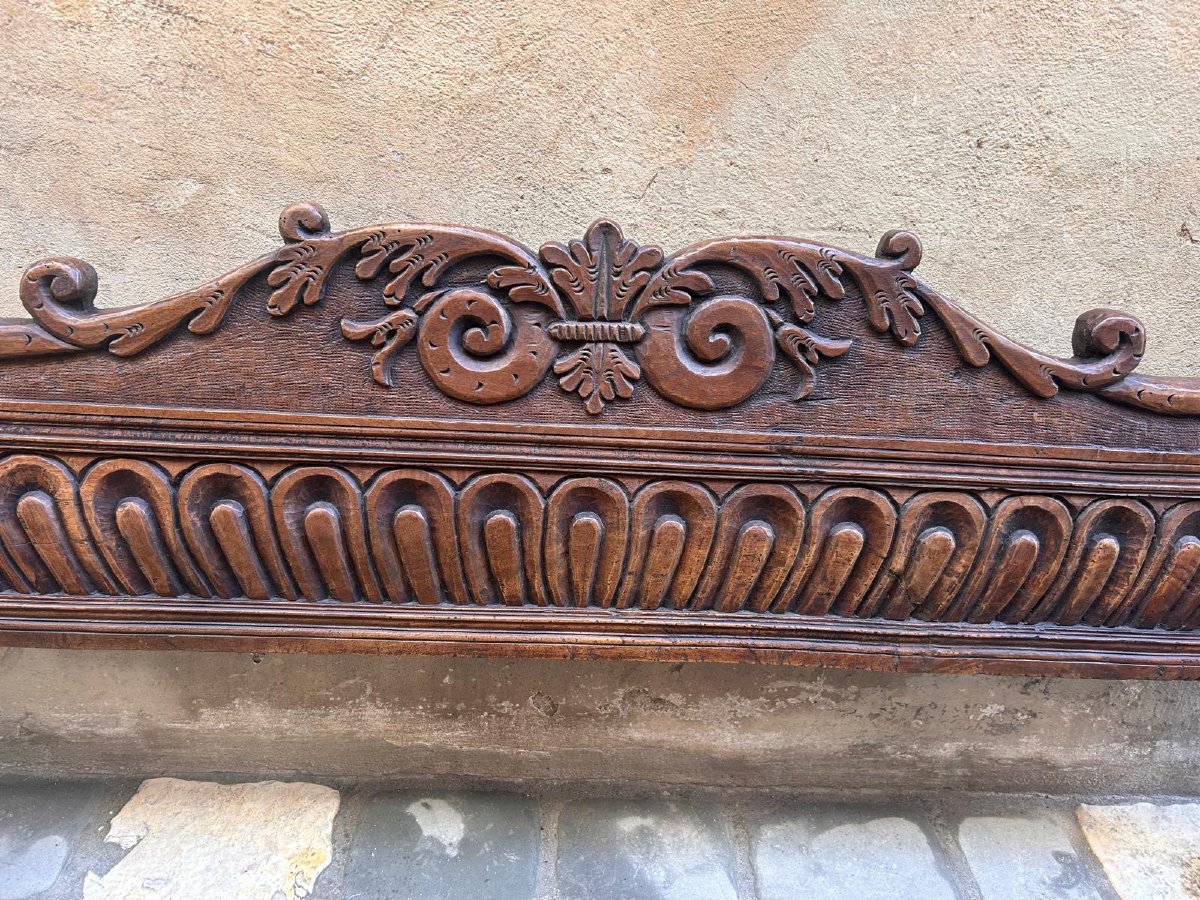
(602, 313)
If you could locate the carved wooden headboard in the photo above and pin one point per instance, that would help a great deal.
(429, 438)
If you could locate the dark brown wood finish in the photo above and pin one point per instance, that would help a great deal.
(428, 438)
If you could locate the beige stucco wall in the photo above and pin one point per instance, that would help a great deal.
(1048, 152)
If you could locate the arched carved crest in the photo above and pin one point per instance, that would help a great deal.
(600, 315)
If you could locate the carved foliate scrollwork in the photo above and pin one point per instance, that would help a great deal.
(601, 314)
(320, 534)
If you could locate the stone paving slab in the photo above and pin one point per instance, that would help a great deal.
(197, 839)
(846, 852)
(1024, 858)
(182, 839)
(417, 846)
(1149, 851)
(611, 850)
(40, 825)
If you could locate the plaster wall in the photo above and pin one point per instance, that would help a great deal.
(1046, 151)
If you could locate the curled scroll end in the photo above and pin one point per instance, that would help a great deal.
(1105, 332)
(303, 221)
(59, 280)
(900, 245)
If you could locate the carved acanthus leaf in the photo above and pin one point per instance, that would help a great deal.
(805, 350)
(390, 334)
(599, 372)
(602, 273)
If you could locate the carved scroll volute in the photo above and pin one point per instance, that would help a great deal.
(759, 532)
(587, 528)
(500, 525)
(1168, 592)
(225, 515)
(1109, 545)
(711, 356)
(318, 513)
(410, 518)
(1021, 555)
(850, 535)
(672, 524)
(129, 510)
(936, 545)
(477, 349)
(44, 544)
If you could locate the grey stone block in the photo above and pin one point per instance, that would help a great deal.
(444, 846)
(40, 823)
(841, 853)
(610, 850)
(1024, 858)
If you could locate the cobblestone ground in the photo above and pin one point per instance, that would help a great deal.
(174, 838)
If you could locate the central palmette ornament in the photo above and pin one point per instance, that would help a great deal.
(604, 312)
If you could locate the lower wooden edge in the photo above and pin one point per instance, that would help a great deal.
(555, 633)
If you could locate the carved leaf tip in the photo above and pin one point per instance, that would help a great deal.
(60, 279)
(390, 334)
(303, 221)
(375, 251)
(902, 309)
(902, 246)
(673, 286)
(805, 350)
(523, 283)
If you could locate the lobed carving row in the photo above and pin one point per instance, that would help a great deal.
(125, 527)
